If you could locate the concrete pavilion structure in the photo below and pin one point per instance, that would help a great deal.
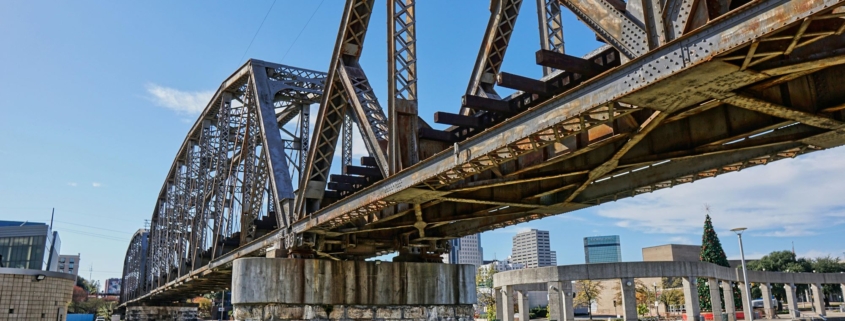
(557, 280)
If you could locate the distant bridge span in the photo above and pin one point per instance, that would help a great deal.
(683, 90)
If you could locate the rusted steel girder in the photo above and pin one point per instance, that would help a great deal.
(505, 141)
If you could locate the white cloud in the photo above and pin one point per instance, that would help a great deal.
(812, 254)
(787, 198)
(680, 240)
(748, 256)
(96, 184)
(73, 184)
(183, 102)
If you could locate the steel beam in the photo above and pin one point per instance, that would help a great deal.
(728, 34)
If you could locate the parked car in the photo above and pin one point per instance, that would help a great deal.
(758, 303)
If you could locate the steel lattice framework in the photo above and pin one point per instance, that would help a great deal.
(682, 90)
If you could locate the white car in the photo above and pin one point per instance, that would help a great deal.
(758, 303)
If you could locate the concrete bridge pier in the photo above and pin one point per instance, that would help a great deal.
(765, 290)
(746, 310)
(690, 284)
(715, 299)
(506, 311)
(522, 303)
(818, 298)
(728, 294)
(300, 289)
(560, 301)
(629, 299)
(791, 302)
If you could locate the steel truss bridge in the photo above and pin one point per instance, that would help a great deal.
(682, 90)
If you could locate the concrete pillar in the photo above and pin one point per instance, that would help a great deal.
(560, 301)
(629, 299)
(522, 302)
(500, 306)
(842, 290)
(728, 294)
(285, 289)
(791, 302)
(507, 301)
(818, 298)
(691, 298)
(715, 299)
(765, 289)
(746, 310)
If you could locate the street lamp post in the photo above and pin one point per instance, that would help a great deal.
(656, 301)
(747, 286)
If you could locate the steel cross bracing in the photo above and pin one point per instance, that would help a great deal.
(133, 283)
(731, 86)
(231, 174)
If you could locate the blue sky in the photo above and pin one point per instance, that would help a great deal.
(99, 96)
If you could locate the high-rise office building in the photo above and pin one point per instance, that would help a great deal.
(69, 264)
(532, 249)
(465, 250)
(112, 286)
(602, 249)
(28, 245)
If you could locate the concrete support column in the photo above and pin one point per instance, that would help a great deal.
(728, 294)
(842, 289)
(560, 301)
(715, 299)
(522, 302)
(691, 298)
(746, 310)
(818, 298)
(791, 299)
(500, 306)
(304, 289)
(507, 301)
(765, 289)
(629, 299)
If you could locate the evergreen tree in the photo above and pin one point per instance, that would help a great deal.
(712, 252)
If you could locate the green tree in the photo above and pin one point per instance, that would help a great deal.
(779, 261)
(106, 309)
(487, 295)
(712, 252)
(588, 291)
(827, 264)
(671, 297)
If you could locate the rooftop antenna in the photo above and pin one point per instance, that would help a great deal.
(793, 248)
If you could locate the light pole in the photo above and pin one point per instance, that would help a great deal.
(738, 232)
(656, 301)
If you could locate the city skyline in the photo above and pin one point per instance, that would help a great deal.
(100, 160)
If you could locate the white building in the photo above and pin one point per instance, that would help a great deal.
(503, 265)
(465, 250)
(532, 249)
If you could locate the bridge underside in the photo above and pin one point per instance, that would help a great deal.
(756, 85)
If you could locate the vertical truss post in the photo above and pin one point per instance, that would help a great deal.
(551, 28)
(304, 123)
(402, 84)
(346, 143)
